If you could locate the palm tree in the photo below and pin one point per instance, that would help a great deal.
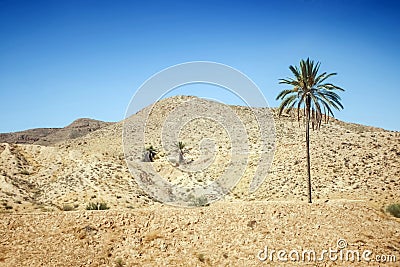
(180, 145)
(314, 95)
(150, 153)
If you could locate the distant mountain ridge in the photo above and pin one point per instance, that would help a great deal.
(52, 136)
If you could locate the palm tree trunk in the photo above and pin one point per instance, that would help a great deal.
(181, 158)
(308, 151)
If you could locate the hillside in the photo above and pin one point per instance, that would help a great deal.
(355, 175)
(27, 136)
(51, 136)
(349, 161)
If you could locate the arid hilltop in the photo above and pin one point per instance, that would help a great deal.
(48, 183)
(51, 136)
(349, 161)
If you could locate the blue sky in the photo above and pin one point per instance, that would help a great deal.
(62, 60)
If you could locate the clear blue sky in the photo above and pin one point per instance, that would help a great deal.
(62, 60)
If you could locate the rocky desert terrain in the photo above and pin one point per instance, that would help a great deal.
(48, 179)
(51, 136)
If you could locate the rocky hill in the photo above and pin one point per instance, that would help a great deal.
(51, 136)
(26, 137)
(349, 161)
(355, 175)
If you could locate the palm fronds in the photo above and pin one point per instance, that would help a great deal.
(311, 92)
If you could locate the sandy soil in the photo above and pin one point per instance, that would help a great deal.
(223, 234)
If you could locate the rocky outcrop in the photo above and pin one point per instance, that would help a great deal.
(51, 136)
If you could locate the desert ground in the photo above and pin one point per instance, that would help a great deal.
(49, 176)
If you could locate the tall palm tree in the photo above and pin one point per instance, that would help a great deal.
(314, 95)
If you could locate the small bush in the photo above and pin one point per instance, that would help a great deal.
(97, 206)
(198, 201)
(25, 172)
(67, 207)
(119, 262)
(201, 257)
(394, 209)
